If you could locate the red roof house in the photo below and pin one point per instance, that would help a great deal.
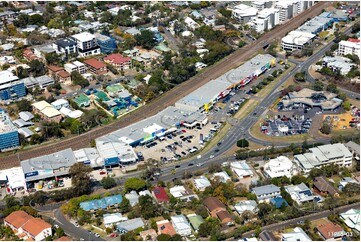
(95, 66)
(29, 55)
(160, 194)
(119, 61)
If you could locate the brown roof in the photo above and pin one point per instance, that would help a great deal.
(63, 238)
(55, 68)
(18, 218)
(323, 185)
(63, 74)
(35, 226)
(150, 232)
(165, 227)
(330, 229)
(213, 203)
(224, 215)
(95, 63)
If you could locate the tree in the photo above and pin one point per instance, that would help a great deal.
(298, 179)
(55, 23)
(347, 105)
(148, 208)
(332, 88)
(242, 143)
(125, 205)
(108, 182)
(37, 68)
(318, 85)
(24, 105)
(21, 21)
(226, 13)
(214, 167)
(78, 79)
(300, 76)
(134, 183)
(146, 39)
(202, 211)
(52, 58)
(326, 128)
(164, 237)
(80, 178)
(286, 196)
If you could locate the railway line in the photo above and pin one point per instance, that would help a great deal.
(170, 97)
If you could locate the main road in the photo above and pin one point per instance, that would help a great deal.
(170, 97)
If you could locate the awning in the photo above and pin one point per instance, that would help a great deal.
(160, 134)
(171, 130)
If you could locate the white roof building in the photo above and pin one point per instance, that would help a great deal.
(182, 193)
(133, 198)
(15, 178)
(58, 104)
(115, 152)
(342, 64)
(244, 13)
(278, 167)
(45, 108)
(345, 181)
(181, 225)
(89, 156)
(26, 116)
(296, 40)
(145, 193)
(352, 219)
(84, 37)
(297, 235)
(110, 219)
(302, 194)
(202, 183)
(349, 47)
(223, 176)
(192, 25)
(241, 169)
(249, 205)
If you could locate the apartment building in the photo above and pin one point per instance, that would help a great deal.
(351, 46)
(9, 137)
(86, 44)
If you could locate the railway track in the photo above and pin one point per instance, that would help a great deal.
(169, 98)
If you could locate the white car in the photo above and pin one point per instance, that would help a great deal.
(211, 157)
(76, 224)
(97, 235)
(56, 226)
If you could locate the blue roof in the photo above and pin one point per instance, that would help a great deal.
(101, 203)
(278, 201)
(196, 14)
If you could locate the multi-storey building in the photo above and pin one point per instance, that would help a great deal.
(86, 44)
(11, 87)
(351, 46)
(9, 137)
(65, 46)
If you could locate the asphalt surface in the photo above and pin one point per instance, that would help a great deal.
(287, 223)
(170, 97)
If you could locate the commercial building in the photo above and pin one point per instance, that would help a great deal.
(352, 219)
(42, 81)
(323, 99)
(297, 235)
(9, 137)
(27, 227)
(278, 167)
(338, 63)
(206, 96)
(95, 66)
(181, 225)
(270, 16)
(114, 153)
(248, 205)
(244, 13)
(324, 155)
(86, 44)
(47, 112)
(48, 166)
(11, 88)
(297, 40)
(317, 24)
(266, 192)
(351, 46)
(89, 156)
(259, 5)
(302, 194)
(119, 61)
(13, 179)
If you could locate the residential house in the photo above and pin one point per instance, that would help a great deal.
(160, 195)
(133, 198)
(195, 221)
(29, 55)
(27, 227)
(181, 225)
(58, 104)
(41, 81)
(65, 46)
(59, 73)
(130, 225)
(182, 193)
(218, 210)
(111, 219)
(201, 183)
(242, 169)
(26, 132)
(26, 116)
(345, 181)
(351, 46)
(297, 235)
(266, 192)
(148, 235)
(82, 100)
(222, 176)
(302, 194)
(352, 219)
(248, 205)
(47, 112)
(323, 187)
(330, 231)
(96, 67)
(119, 61)
(165, 227)
(63, 238)
(279, 167)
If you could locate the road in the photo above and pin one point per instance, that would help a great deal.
(287, 223)
(170, 97)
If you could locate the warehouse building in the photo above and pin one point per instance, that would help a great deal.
(207, 95)
(48, 166)
(115, 152)
(324, 155)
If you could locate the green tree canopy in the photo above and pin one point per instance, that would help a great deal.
(146, 39)
(80, 178)
(242, 143)
(108, 182)
(134, 183)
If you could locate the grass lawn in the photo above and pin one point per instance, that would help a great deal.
(336, 180)
(348, 131)
(354, 102)
(246, 109)
(256, 132)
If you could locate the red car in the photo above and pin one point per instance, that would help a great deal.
(184, 131)
(102, 173)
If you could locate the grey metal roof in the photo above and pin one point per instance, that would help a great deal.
(265, 189)
(130, 224)
(353, 146)
(26, 132)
